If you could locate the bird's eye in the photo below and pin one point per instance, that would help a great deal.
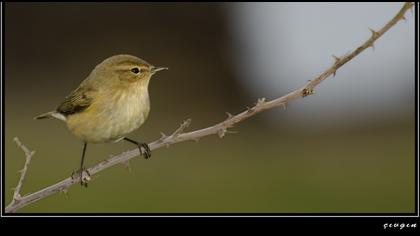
(135, 70)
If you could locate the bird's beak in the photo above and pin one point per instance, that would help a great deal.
(156, 69)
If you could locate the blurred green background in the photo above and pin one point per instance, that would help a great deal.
(276, 162)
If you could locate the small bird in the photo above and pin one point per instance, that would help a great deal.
(110, 103)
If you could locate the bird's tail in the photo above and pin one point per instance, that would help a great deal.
(45, 115)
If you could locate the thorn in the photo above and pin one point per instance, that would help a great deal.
(403, 18)
(249, 109)
(260, 101)
(229, 115)
(196, 139)
(372, 46)
(374, 33)
(284, 105)
(307, 91)
(372, 43)
(127, 165)
(65, 192)
(373, 37)
(186, 123)
(336, 59)
(20, 171)
(221, 132)
(231, 132)
(181, 129)
(163, 135)
(17, 197)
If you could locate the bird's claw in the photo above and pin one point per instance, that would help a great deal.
(146, 152)
(83, 175)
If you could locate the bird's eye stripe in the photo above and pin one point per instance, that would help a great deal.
(135, 70)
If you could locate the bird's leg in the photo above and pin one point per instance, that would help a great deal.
(147, 153)
(83, 182)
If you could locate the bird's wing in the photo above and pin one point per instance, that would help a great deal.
(77, 101)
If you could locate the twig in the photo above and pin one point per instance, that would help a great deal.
(220, 128)
(28, 156)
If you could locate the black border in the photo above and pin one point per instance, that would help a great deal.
(363, 219)
(3, 196)
(416, 118)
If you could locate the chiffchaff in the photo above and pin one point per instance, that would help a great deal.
(109, 104)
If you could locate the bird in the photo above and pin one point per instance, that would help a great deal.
(110, 103)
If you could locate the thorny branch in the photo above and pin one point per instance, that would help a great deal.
(28, 156)
(220, 129)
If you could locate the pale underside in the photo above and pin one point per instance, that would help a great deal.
(111, 116)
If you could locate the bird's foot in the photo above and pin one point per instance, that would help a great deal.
(83, 175)
(144, 150)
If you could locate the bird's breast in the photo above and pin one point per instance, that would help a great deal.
(112, 116)
(129, 111)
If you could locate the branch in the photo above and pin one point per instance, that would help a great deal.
(220, 129)
(28, 156)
